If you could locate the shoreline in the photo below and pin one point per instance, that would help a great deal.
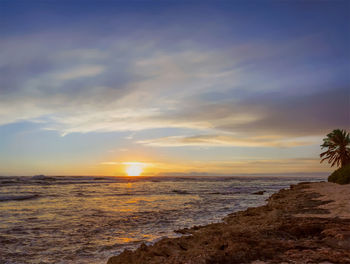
(297, 225)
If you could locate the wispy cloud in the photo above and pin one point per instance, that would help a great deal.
(225, 140)
(79, 72)
(136, 83)
(128, 163)
(213, 167)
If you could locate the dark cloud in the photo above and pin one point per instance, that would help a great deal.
(304, 115)
(276, 114)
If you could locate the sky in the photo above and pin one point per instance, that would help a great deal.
(177, 87)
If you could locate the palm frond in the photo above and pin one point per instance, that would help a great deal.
(337, 144)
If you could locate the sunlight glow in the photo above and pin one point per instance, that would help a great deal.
(134, 168)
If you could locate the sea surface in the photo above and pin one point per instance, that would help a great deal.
(89, 219)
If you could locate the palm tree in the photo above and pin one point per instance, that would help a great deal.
(338, 144)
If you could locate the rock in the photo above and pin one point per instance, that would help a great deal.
(259, 192)
(266, 234)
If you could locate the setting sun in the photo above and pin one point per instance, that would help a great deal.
(134, 168)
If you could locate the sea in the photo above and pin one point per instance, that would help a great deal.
(89, 219)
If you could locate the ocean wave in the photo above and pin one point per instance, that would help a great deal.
(180, 191)
(88, 180)
(225, 193)
(102, 219)
(18, 197)
(42, 177)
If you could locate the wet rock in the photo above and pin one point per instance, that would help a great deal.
(259, 192)
(266, 234)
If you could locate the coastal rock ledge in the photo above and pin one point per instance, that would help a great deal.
(295, 226)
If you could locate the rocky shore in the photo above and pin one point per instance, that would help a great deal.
(308, 223)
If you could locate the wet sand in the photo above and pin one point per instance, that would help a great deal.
(308, 223)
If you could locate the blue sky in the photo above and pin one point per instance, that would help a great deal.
(218, 87)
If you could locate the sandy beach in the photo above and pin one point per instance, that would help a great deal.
(307, 223)
(338, 197)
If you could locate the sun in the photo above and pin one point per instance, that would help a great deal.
(134, 168)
